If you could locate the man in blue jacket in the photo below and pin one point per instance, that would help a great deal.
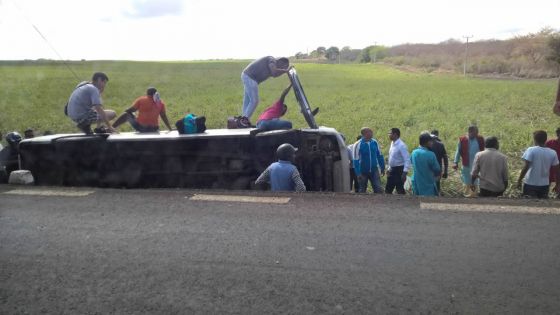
(368, 161)
(283, 175)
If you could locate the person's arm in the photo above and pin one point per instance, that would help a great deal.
(457, 156)
(264, 177)
(476, 168)
(505, 175)
(300, 186)
(556, 108)
(523, 173)
(284, 93)
(556, 170)
(434, 165)
(406, 157)
(445, 162)
(163, 116)
(380, 159)
(103, 117)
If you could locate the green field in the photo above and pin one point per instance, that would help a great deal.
(349, 96)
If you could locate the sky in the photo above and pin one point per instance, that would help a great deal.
(245, 29)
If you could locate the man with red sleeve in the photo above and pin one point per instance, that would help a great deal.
(269, 119)
(554, 144)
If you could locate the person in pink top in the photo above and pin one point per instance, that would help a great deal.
(269, 119)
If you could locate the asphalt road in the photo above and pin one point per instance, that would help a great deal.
(158, 251)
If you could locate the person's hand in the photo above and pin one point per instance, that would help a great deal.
(455, 166)
(556, 108)
(444, 176)
(404, 177)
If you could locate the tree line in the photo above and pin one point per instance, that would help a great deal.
(534, 55)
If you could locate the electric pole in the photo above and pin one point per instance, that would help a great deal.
(466, 55)
(374, 52)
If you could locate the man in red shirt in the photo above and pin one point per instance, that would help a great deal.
(269, 119)
(554, 144)
(150, 108)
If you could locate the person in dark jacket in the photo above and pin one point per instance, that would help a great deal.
(9, 156)
(441, 155)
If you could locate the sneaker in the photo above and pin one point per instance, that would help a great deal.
(85, 129)
(101, 130)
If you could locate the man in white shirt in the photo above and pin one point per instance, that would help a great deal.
(539, 162)
(399, 163)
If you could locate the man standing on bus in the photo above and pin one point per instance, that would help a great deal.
(254, 74)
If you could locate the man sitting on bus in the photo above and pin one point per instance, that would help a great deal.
(269, 119)
(150, 108)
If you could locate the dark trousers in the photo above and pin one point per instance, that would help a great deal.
(488, 193)
(354, 181)
(540, 192)
(394, 180)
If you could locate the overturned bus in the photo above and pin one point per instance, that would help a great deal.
(216, 159)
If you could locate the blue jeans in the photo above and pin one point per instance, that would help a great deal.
(250, 96)
(372, 177)
(274, 124)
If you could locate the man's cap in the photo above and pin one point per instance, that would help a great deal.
(286, 151)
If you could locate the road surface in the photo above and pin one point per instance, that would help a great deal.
(94, 251)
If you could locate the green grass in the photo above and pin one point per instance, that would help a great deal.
(349, 96)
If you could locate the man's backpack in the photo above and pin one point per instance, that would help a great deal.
(191, 124)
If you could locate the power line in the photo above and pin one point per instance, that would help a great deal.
(46, 40)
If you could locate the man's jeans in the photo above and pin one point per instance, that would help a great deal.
(372, 177)
(394, 180)
(274, 124)
(250, 96)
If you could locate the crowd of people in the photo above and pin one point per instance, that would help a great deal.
(484, 170)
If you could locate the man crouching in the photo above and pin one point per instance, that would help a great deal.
(283, 175)
(85, 106)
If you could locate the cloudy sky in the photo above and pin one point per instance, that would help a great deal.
(218, 29)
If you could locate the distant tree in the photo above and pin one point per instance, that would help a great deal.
(332, 53)
(373, 52)
(364, 55)
(301, 55)
(554, 51)
(321, 51)
(533, 46)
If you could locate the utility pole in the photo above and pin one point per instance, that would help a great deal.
(374, 52)
(466, 55)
